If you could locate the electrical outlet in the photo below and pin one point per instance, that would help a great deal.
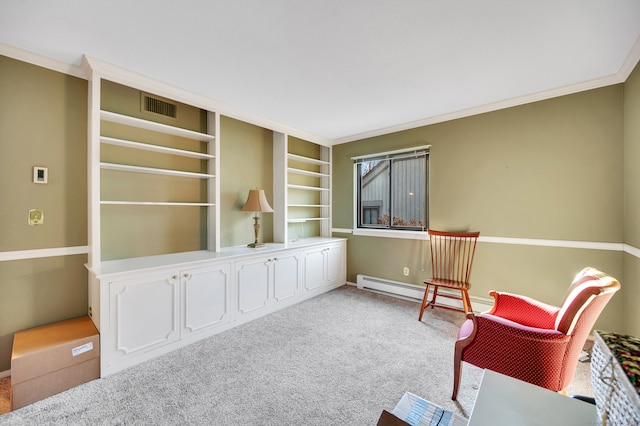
(36, 217)
(406, 271)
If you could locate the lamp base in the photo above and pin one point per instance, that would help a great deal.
(256, 245)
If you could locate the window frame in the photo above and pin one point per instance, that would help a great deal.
(390, 229)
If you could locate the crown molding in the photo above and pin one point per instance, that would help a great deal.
(621, 76)
(94, 67)
(91, 66)
(161, 88)
(631, 61)
(494, 106)
(41, 61)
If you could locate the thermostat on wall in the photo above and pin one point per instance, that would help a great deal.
(40, 174)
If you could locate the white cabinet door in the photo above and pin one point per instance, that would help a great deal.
(205, 298)
(325, 267)
(286, 276)
(143, 314)
(314, 268)
(263, 283)
(252, 284)
(336, 264)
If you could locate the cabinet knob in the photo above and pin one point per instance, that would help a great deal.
(175, 277)
(187, 276)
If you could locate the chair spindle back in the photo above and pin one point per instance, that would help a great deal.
(452, 254)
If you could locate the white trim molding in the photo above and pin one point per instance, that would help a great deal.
(388, 233)
(554, 243)
(40, 253)
(619, 77)
(418, 235)
(342, 230)
(157, 87)
(633, 251)
(41, 61)
(96, 67)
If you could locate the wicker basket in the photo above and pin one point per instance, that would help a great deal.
(617, 400)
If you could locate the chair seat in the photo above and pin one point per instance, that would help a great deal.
(459, 285)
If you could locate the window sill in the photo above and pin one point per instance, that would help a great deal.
(387, 233)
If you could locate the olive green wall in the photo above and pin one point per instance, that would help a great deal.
(632, 198)
(546, 170)
(139, 230)
(543, 170)
(246, 162)
(246, 153)
(43, 122)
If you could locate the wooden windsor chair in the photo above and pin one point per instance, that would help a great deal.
(451, 260)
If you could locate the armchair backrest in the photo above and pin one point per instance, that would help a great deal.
(585, 288)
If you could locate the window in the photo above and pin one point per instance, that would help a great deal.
(393, 190)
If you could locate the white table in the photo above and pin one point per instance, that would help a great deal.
(505, 400)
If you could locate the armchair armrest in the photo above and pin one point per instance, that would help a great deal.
(527, 353)
(516, 328)
(524, 310)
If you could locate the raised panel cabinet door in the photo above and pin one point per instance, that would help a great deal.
(205, 297)
(286, 273)
(143, 313)
(315, 269)
(335, 264)
(252, 281)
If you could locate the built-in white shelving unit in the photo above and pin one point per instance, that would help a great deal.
(160, 128)
(177, 153)
(306, 193)
(153, 184)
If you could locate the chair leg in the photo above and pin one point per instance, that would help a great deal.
(457, 369)
(424, 302)
(435, 294)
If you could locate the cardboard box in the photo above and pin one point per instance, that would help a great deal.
(388, 419)
(53, 358)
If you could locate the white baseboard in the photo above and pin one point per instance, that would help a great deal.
(5, 373)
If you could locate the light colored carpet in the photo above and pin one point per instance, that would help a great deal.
(338, 359)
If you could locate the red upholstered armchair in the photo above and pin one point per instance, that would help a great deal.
(533, 341)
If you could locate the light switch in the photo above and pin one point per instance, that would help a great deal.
(36, 217)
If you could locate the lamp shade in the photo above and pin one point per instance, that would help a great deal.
(257, 202)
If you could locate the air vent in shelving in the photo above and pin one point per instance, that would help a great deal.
(156, 105)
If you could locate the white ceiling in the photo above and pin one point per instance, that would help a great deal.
(344, 69)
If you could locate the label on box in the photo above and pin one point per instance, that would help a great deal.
(82, 349)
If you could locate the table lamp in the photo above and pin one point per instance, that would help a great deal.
(256, 202)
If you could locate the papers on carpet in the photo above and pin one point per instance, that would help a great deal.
(420, 412)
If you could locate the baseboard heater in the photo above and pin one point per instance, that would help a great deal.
(416, 292)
